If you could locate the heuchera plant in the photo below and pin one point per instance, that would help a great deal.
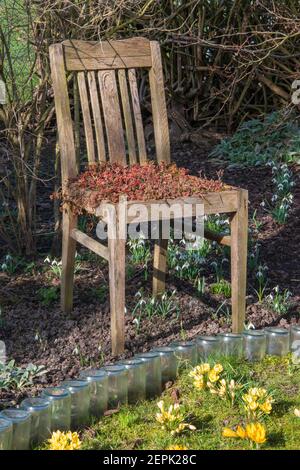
(151, 181)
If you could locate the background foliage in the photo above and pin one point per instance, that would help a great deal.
(224, 62)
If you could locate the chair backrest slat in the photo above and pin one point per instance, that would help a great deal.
(95, 102)
(159, 109)
(110, 102)
(112, 116)
(137, 115)
(127, 115)
(90, 55)
(87, 121)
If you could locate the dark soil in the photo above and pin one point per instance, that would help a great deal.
(43, 335)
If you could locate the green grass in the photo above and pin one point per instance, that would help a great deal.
(136, 427)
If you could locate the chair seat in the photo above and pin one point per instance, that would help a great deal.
(143, 183)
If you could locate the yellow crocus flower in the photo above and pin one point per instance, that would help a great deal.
(199, 382)
(64, 441)
(218, 368)
(177, 447)
(253, 406)
(253, 392)
(261, 393)
(223, 388)
(266, 407)
(247, 398)
(256, 432)
(181, 427)
(212, 388)
(239, 433)
(227, 432)
(213, 376)
(204, 368)
(200, 370)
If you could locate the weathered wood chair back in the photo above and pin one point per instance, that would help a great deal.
(110, 106)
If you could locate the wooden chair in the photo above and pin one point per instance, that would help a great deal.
(110, 106)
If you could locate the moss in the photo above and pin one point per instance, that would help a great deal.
(136, 427)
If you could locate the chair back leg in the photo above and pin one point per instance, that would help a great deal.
(68, 261)
(160, 267)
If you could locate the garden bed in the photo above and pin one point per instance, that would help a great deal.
(35, 330)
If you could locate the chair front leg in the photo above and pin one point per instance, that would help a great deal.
(116, 247)
(68, 261)
(239, 243)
